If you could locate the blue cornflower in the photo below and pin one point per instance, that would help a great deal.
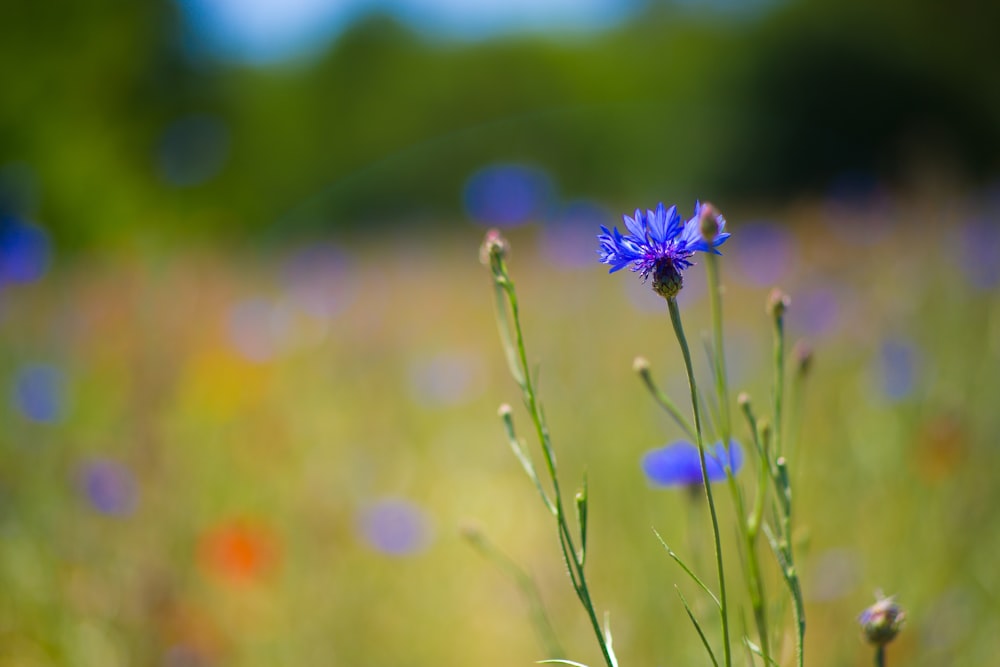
(661, 243)
(678, 464)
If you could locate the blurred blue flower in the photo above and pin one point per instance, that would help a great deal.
(567, 237)
(660, 243)
(24, 251)
(108, 486)
(449, 378)
(980, 254)
(678, 464)
(817, 311)
(766, 254)
(898, 363)
(395, 527)
(40, 392)
(505, 195)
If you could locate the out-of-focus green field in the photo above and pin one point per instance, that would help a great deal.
(266, 460)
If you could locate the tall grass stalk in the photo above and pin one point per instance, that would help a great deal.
(511, 335)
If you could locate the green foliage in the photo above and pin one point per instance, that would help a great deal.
(386, 125)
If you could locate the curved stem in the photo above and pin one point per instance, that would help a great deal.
(570, 554)
(675, 319)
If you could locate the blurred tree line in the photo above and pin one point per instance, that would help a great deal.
(108, 126)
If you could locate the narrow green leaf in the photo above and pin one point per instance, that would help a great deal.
(503, 326)
(756, 649)
(697, 627)
(581, 517)
(522, 456)
(694, 577)
(560, 661)
(608, 640)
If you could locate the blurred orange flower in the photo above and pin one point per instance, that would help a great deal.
(239, 551)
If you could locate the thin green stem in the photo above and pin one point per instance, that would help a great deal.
(675, 319)
(880, 656)
(779, 381)
(755, 580)
(778, 304)
(721, 387)
(664, 401)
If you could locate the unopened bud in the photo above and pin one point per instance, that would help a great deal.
(470, 532)
(777, 303)
(640, 365)
(765, 430)
(802, 353)
(743, 400)
(709, 222)
(494, 246)
(882, 621)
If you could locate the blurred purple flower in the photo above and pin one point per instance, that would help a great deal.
(320, 281)
(40, 392)
(447, 379)
(395, 527)
(815, 311)
(979, 254)
(24, 251)
(766, 252)
(506, 195)
(678, 464)
(568, 239)
(108, 486)
(898, 366)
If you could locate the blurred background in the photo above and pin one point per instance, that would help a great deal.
(248, 365)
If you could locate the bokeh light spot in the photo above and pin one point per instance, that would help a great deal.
(765, 254)
(24, 251)
(395, 527)
(320, 281)
(40, 393)
(449, 378)
(569, 239)
(979, 258)
(815, 311)
(239, 551)
(506, 195)
(898, 367)
(108, 486)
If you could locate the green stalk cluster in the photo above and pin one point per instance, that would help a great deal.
(493, 254)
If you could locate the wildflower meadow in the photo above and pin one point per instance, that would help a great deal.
(427, 333)
(299, 459)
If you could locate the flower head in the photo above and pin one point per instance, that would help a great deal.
(882, 621)
(660, 243)
(679, 464)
